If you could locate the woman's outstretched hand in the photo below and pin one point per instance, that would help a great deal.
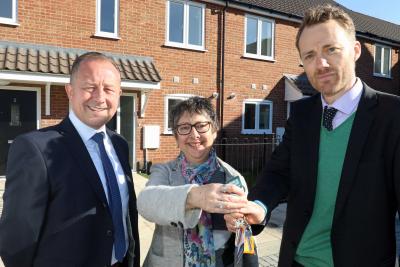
(217, 198)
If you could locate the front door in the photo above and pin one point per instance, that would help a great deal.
(17, 116)
(124, 123)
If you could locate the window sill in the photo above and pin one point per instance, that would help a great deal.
(382, 76)
(257, 57)
(106, 36)
(9, 23)
(168, 133)
(191, 48)
(256, 132)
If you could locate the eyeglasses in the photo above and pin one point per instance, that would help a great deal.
(186, 128)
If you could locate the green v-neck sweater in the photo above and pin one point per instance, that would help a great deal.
(315, 247)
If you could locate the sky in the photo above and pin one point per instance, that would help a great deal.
(388, 10)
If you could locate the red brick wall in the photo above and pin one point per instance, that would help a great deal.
(58, 105)
(142, 33)
(241, 72)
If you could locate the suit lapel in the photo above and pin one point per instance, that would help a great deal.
(310, 145)
(358, 136)
(79, 152)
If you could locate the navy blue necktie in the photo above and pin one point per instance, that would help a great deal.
(114, 199)
(329, 114)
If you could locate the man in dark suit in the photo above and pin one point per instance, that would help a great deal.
(69, 198)
(339, 162)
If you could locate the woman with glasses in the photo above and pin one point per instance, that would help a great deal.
(187, 197)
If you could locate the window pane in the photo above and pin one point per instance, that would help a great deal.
(264, 117)
(378, 55)
(6, 8)
(195, 25)
(386, 61)
(251, 36)
(171, 104)
(249, 116)
(266, 38)
(176, 22)
(107, 11)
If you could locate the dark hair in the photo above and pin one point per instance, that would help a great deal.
(87, 57)
(194, 105)
(323, 13)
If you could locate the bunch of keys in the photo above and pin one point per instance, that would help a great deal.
(244, 241)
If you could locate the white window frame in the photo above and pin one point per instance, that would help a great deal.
(288, 108)
(259, 26)
(13, 19)
(380, 74)
(257, 102)
(185, 43)
(99, 33)
(134, 97)
(38, 100)
(166, 111)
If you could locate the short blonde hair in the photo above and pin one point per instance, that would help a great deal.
(323, 13)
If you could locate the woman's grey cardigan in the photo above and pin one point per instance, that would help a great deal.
(163, 202)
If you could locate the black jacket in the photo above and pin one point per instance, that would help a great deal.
(369, 190)
(55, 209)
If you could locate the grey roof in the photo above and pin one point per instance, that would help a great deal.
(301, 82)
(364, 24)
(31, 58)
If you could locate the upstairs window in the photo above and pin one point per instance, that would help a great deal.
(107, 18)
(259, 38)
(257, 117)
(8, 11)
(185, 24)
(383, 60)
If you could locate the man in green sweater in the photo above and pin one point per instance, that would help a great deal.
(339, 162)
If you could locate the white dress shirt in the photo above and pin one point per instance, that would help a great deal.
(346, 105)
(86, 134)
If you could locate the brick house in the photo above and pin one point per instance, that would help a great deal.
(240, 53)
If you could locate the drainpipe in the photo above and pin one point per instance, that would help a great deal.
(222, 71)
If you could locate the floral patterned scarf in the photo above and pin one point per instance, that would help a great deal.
(199, 242)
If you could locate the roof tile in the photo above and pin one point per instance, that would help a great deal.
(32, 60)
(22, 58)
(10, 58)
(55, 60)
(3, 52)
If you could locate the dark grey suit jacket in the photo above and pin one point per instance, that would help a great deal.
(55, 209)
(369, 190)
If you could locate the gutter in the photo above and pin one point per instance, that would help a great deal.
(290, 17)
(264, 12)
(377, 39)
(256, 10)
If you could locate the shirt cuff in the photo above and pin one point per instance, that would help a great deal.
(264, 222)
